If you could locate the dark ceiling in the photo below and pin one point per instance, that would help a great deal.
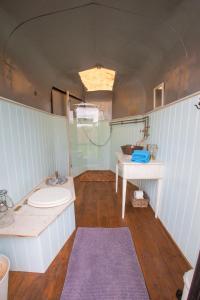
(131, 37)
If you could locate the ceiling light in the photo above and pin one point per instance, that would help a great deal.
(98, 79)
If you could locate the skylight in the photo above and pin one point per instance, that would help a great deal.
(98, 79)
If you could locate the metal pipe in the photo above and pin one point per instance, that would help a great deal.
(144, 120)
(132, 121)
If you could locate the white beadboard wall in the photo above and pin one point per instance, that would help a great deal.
(175, 129)
(34, 254)
(122, 135)
(32, 146)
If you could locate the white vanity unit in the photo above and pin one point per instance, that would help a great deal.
(38, 234)
(132, 170)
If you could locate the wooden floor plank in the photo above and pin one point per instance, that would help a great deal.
(97, 205)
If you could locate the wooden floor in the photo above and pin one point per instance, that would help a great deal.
(97, 205)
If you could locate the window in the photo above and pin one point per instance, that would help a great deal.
(158, 95)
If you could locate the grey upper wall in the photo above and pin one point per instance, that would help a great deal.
(129, 97)
(177, 65)
(145, 42)
(103, 99)
(26, 75)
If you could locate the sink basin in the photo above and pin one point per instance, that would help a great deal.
(50, 197)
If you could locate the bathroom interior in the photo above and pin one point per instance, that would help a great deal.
(99, 150)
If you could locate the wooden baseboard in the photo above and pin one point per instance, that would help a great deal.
(173, 241)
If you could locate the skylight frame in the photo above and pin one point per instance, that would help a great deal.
(98, 79)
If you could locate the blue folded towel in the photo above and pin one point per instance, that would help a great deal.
(141, 156)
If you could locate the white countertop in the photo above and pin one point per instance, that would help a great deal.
(31, 221)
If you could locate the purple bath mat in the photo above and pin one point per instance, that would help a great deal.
(103, 266)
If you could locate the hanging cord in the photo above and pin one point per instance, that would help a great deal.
(94, 143)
